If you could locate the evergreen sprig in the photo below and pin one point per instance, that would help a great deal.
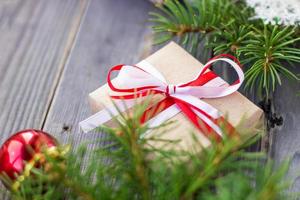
(269, 51)
(227, 26)
(129, 167)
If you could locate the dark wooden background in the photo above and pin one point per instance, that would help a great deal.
(54, 52)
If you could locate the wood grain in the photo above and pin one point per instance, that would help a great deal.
(286, 138)
(112, 32)
(48, 67)
(35, 38)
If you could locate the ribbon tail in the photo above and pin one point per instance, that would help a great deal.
(219, 125)
(162, 117)
(199, 123)
(210, 122)
(105, 115)
(230, 129)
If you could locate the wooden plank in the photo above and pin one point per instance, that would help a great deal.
(112, 32)
(286, 138)
(35, 38)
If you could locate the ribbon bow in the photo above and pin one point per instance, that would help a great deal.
(142, 80)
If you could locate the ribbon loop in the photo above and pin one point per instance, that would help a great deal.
(187, 98)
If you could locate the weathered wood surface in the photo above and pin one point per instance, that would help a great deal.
(112, 32)
(35, 38)
(53, 53)
(286, 138)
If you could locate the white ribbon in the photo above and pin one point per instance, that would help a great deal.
(131, 77)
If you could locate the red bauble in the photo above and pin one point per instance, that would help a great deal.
(21, 148)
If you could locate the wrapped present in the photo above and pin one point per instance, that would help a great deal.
(185, 91)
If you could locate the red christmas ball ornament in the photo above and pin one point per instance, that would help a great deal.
(21, 148)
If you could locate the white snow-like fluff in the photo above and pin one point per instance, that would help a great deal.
(285, 12)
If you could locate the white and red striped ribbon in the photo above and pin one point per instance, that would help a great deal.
(143, 79)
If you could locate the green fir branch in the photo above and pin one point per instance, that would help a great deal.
(226, 26)
(267, 52)
(127, 167)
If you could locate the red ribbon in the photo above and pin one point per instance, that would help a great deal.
(186, 108)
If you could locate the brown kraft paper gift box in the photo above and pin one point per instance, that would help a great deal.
(178, 66)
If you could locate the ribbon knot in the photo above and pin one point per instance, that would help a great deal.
(142, 80)
(170, 89)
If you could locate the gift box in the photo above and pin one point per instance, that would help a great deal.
(178, 66)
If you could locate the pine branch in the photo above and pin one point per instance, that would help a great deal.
(199, 17)
(129, 168)
(227, 27)
(269, 49)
